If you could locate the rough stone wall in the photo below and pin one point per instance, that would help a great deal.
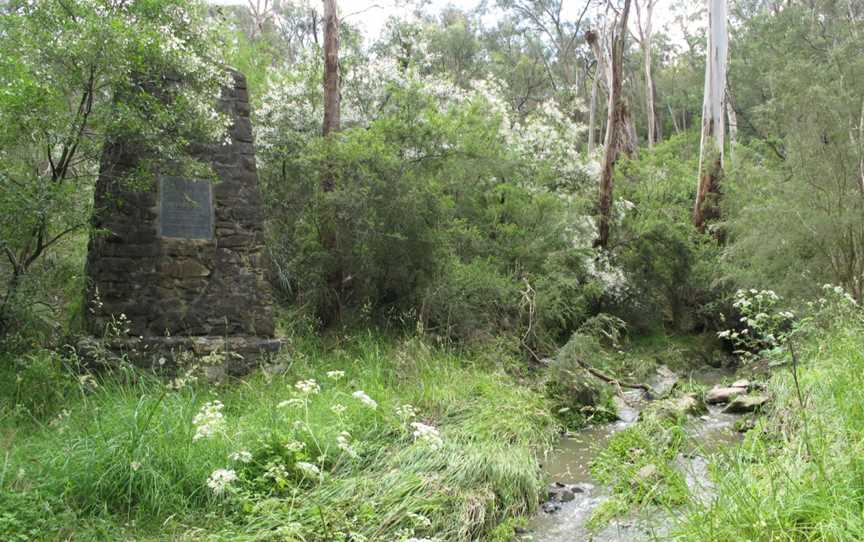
(187, 287)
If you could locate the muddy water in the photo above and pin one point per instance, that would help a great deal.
(570, 463)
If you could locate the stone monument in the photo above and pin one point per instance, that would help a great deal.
(181, 265)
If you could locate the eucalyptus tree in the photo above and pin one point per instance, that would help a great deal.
(644, 33)
(616, 118)
(603, 43)
(713, 122)
(548, 20)
(331, 70)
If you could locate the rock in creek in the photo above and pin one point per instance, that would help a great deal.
(745, 424)
(743, 383)
(560, 492)
(745, 403)
(551, 507)
(678, 407)
(718, 394)
(663, 382)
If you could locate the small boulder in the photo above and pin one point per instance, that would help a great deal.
(565, 495)
(746, 403)
(624, 411)
(551, 507)
(663, 382)
(743, 383)
(647, 473)
(718, 394)
(560, 492)
(678, 407)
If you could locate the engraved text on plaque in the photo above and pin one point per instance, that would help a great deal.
(185, 208)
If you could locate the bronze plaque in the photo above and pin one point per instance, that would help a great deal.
(185, 208)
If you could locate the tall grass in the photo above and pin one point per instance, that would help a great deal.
(123, 461)
(800, 474)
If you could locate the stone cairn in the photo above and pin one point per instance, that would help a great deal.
(180, 266)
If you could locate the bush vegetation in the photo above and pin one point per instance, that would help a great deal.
(440, 331)
(797, 474)
(119, 453)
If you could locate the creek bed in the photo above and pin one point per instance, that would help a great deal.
(570, 463)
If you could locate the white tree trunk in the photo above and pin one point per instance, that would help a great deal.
(645, 32)
(713, 111)
(603, 45)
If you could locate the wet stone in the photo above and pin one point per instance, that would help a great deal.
(746, 403)
(718, 394)
(551, 507)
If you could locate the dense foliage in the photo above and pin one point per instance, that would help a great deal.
(75, 74)
(440, 293)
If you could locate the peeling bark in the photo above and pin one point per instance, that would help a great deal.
(712, 140)
(331, 68)
(615, 127)
(602, 45)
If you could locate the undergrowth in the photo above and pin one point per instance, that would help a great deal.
(435, 446)
(799, 475)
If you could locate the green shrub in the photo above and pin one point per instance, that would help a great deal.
(674, 276)
(471, 301)
(430, 217)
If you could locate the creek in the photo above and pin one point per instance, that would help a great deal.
(570, 464)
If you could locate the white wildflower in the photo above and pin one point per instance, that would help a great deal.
(291, 403)
(209, 420)
(335, 375)
(295, 446)
(406, 412)
(343, 442)
(242, 456)
(276, 472)
(365, 399)
(135, 465)
(308, 386)
(221, 479)
(338, 409)
(427, 433)
(308, 469)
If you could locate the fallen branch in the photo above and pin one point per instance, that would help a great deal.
(611, 380)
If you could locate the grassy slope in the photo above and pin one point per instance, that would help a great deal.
(123, 463)
(800, 474)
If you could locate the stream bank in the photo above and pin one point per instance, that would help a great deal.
(576, 495)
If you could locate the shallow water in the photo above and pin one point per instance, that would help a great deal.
(570, 463)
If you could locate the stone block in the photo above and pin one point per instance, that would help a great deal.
(178, 290)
